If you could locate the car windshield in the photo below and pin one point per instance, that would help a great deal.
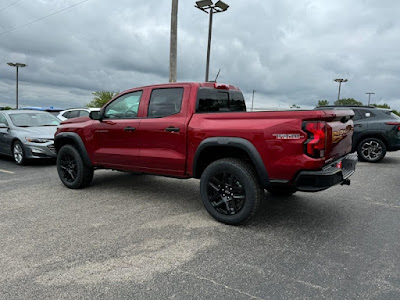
(394, 116)
(32, 119)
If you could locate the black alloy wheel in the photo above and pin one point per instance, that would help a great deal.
(225, 193)
(230, 191)
(73, 172)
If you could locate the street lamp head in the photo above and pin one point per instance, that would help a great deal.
(222, 5)
(340, 80)
(19, 65)
(204, 3)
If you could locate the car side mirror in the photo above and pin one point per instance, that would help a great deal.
(95, 115)
(3, 126)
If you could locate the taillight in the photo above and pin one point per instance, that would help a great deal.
(315, 144)
(221, 86)
(394, 123)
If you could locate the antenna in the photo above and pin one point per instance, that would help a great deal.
(217, 75)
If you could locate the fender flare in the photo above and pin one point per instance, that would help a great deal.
(240, 143)
(77, 142)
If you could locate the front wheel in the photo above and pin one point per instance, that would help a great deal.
(73, 172)
(371, 150)
(230, 191)
(18, 153)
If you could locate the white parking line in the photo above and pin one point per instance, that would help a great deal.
(5, 171)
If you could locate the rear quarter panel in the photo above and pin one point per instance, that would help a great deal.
(281, 157)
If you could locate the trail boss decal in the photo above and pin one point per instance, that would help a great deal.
(288, 136)
(339, 135)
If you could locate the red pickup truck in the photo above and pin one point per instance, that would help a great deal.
(202, 130)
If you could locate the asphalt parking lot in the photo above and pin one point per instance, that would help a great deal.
(146, 237)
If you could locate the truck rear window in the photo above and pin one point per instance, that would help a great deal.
(213, 100)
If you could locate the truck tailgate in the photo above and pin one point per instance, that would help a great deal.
(339, 132)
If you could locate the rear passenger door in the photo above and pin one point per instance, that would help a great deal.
(162, 133)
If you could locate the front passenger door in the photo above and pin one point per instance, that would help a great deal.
(114, 136)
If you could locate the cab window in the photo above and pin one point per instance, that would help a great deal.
(165, 102)
(212, 100)
(124, 107)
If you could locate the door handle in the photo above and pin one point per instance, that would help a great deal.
(172, 129)
(109, 122)
(129, 128)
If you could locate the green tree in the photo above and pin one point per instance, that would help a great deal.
(100, 98)
(6, 108)
(384, 105)
(348, 101)
(322, 103)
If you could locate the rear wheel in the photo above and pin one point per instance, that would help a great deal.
(230, 191)
(18, 153)
(73, 172)
(371, 150)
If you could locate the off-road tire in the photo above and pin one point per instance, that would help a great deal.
(72, 170)
(230, 191)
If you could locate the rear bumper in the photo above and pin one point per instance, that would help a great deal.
(330, 175)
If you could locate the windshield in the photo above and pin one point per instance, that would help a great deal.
(33, 119)
(394, 116)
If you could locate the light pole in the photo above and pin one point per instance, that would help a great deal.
(340, 80)
(173, 42)
(252, 101)
(210, 8)
(17, 65)
(369, 96)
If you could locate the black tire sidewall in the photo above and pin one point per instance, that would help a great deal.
(359, 150)
(79, 180)
(245, 177)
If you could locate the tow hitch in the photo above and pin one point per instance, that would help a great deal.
(345, 182)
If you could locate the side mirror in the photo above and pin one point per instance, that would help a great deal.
(3, 126)
(95, 115)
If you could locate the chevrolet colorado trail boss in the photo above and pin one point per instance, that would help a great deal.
(202, 130)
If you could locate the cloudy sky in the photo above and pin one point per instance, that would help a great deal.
(288, 51)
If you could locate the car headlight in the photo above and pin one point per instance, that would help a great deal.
(36, 140)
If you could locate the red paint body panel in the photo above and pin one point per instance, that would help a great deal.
(152, 149)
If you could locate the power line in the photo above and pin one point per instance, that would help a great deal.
(9, 5)
(42, 18)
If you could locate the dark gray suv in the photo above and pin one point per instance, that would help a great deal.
(376, 131)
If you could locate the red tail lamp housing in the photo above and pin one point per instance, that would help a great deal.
(315, 144)
(394, 123)
(221, 86)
